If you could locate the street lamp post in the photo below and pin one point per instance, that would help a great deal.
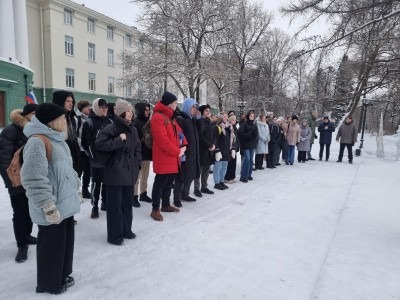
(366, 103)
(241, 105)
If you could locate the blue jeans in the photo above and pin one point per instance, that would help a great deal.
(290, 158)
(219, 172)
(247, 165)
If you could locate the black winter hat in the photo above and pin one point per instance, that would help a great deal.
(48, 112)
(202, 108)
(59, 97)
(168, 98)
(28, 108)
(294, 117)
(326, 118)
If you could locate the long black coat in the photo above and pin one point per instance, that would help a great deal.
(206, 140)
(188, 125)
(248, 135)
(11, 139)
(139, 122)
(222, 142)
(124, 165)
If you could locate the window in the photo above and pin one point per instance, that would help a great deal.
(110, 57)
(69, 78)
(111, 85)
(90, 25)
(110, 33)
(92, 82)
(128, 89)
(128, 40)
(68, 16)
(69, 45)
(91, 52)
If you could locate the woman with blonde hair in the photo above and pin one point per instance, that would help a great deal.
(51, 186)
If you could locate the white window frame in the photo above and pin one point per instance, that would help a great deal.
(68, 16)
(92, 82)
(91, 25)
(110, 85)
(91, 52)
(69, 45)
(110, 32)
(110, 57)
(70, 78)
(128, 40)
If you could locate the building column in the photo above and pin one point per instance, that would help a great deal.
(21, 32)
(7, 40)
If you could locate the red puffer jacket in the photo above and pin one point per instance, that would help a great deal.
(165, 133)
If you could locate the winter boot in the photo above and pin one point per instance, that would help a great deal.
(86, 194)
(95, 213)
(22, 254)
(188, 199)
(68, 281)
(219, 187)
(130, 236)
(31, 240)
(197, 193)
(178, 203)
(339, 160)
(156, 215)
(143, 197)
(61, 290)
(224, 185)
(135, 202)
(169, 208)
(206, 191)
(103, 206)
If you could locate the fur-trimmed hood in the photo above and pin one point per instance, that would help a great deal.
(17, 118)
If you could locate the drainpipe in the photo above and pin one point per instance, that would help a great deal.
(42, 50)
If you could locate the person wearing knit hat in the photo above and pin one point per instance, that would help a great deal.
(325, 129)
(52, 188)
(206, 148)
(121, 141)
(293, 135)
(122, 106)
(96, 121)
(231, 118)
(168, 98)
(66, 100)
(11, 138)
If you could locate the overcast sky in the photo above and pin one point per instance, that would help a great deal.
(126, 12)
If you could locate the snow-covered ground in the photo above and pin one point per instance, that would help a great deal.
(319, 230)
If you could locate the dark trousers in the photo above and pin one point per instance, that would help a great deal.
(259, 160)
(309, 152)
(271, 151)
(54, 253)
(84, 170)
(349, 151)
(231, 170)
(182, 184)
(302, 156)
(119, 211)
(98, 186)
(22, 222)
(321, 150)
(277, 153)
(162, 190)
(285, 150)
(204, 172)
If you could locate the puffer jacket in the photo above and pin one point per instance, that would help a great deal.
(325, 136)
(263, 138)
(293, 134)
(248, 134)
(46, 181)
(305, 137)
(347, 133)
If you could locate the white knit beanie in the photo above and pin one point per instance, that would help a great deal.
(122, 106)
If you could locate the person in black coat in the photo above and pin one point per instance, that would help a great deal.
(11, 139)
(122, 170)
(66, 100)
(325, 137)
(142, 111)
(231, 170)
(222, 136)
(273, 142)
(190, 165)
(96, 121)
(206, 146)
(248, 138)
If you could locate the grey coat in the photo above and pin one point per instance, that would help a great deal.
(305, 137)
(263, 138)
(347, 133)
(46, 181)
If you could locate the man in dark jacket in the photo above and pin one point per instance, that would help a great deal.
(325, 130)
(206, 138)
(96, 121)
(142, 111)
(347, 134)
(66, 100)
(190, 166)
(11, 139)
(273, 142)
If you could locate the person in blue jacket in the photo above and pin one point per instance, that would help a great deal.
(325, 137)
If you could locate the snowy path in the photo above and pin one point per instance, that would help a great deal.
(319, 230)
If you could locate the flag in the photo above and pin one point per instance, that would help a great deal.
(30, 98)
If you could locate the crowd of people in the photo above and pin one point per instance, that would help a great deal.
(103, 151)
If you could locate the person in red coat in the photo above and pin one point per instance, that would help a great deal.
(168, 150)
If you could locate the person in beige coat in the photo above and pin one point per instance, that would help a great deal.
(293, 138)
(347, 135)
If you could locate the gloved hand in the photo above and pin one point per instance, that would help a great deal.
(316, 136)
(51, 213)
(233, 153)
(218, 156)
(302, 139)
